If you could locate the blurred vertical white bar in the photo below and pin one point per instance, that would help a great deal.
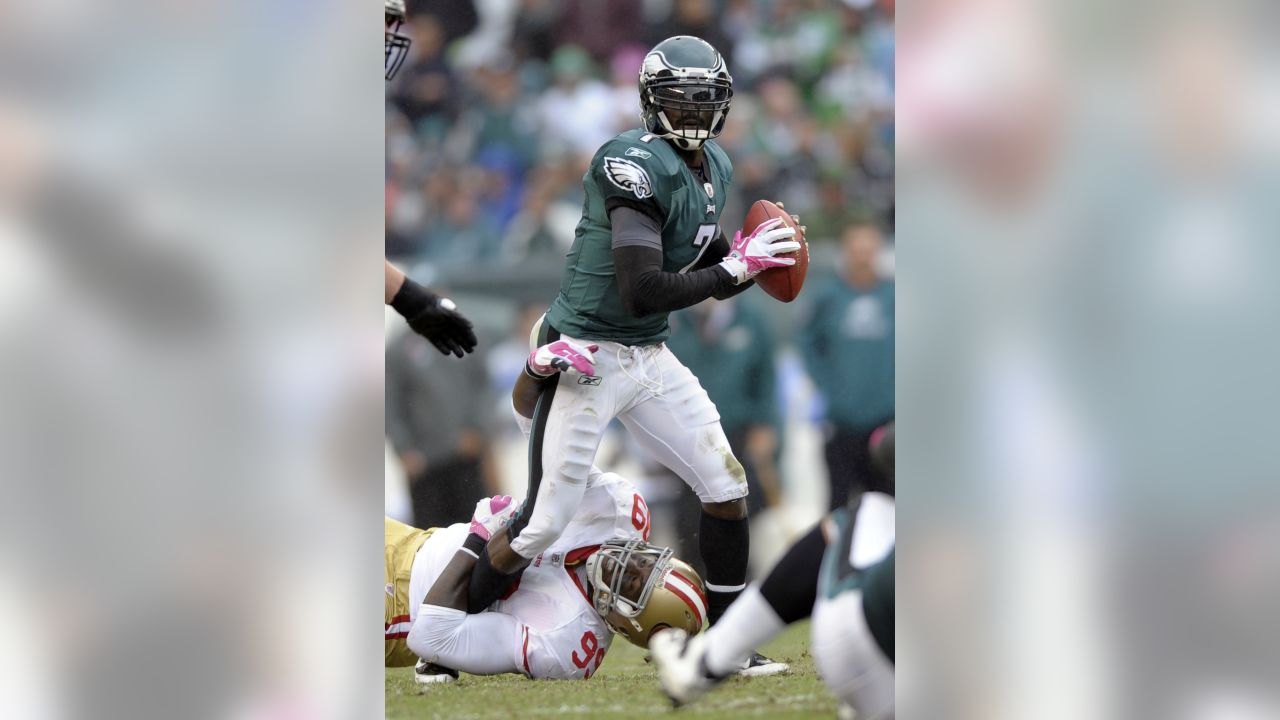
(1087, 351)
(190, 221)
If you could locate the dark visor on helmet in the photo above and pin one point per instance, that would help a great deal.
(673, 95)
(691, 94)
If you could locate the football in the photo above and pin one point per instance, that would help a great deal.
(782, 283)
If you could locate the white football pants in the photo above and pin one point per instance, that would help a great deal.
(661, 404)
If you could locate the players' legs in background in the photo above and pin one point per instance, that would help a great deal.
(446, 492)
(840, 450)
(849, 465)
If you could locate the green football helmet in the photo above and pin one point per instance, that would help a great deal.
(685, 91)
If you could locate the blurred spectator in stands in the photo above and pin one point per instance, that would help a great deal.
(436, 414)
(462, 233)
(576, 114)
(425, 90)
(784, 137)
(456, 18)
(545, 225)
(848, 348)
(854, 90)
(868, 169)
(728, 346)
(697, 18)
(624, 70)
(811, 124)
(831, 214)
(503, 127)
(738, 17)
(795, 37)
(533, 34)
(599, 26)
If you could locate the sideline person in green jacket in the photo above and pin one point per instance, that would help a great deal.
(848, 349)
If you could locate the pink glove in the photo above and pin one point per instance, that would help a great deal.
(750, 255)
(563, 356)
(493, 514)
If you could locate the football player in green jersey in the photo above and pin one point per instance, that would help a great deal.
(649, 242)
(840, 573)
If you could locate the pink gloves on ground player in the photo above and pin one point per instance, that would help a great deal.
(493, 514)
(563, 356)
(750, 255)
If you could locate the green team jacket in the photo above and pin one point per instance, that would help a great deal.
(644, 172)
(848, 347)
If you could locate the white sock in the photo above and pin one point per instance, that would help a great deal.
(746, 625)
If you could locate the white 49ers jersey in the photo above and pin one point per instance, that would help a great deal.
(558, 633)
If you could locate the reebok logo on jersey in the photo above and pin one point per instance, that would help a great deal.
(637, 152)
(628, 176)
(589, 380)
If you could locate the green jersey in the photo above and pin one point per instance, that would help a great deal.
(876, 581)
(643, 172)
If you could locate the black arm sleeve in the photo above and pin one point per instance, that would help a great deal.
(719, 248)
(644, 287)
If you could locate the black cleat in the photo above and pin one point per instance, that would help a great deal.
(425, 673)
(758, 666)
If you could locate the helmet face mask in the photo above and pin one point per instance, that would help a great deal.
(397, 42)
(640, 589)
(623, 574)
(685, 91)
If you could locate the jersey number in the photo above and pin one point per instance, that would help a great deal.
(640, 516)
(590, 651)
(702, 241)
(705, 233)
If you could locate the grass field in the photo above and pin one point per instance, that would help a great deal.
(625, 687)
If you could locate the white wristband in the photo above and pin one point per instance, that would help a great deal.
(736, 268)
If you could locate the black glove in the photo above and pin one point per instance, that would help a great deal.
(435, 318)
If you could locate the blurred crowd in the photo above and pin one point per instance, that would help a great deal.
(499, 108)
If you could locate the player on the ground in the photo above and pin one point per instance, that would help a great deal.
(602, 577)
(431, 316)
(841, 572)
(649, 242)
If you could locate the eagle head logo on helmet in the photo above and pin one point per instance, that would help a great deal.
(397, 42)
(685, 91)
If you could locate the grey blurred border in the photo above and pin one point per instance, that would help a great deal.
(190, 224)
(1087, 353)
